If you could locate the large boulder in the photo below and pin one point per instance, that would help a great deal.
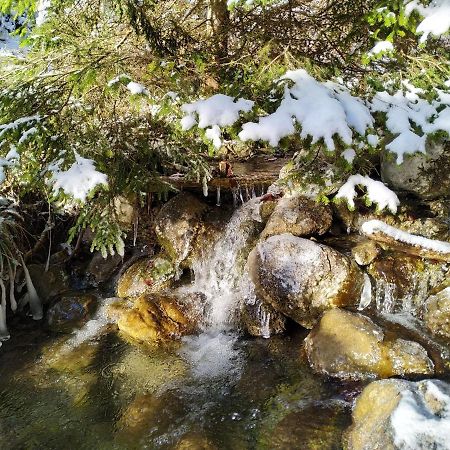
(146, 275)
(155, 319)
(426, 175)
(401, 415)
(100, 269)
(350, 346)
(299, 216)
(436, 314)
(302, 279)
(177, 225)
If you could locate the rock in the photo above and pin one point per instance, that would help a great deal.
(65, 358)
(72, 311)
(350, 346)
(155, 319)
(146, 276)
(49, 284)
(262, 320)
(101, 269)
(426, 175)
(195, 441)
(365, 252)
(301, 278)
(140, 413)
(125, 211)
(403, 281)
(299, 216)
(178, 223)
(399, 414)
(436, 313)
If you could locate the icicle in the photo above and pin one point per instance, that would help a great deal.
(218, 196)
(366, 294)
(205, 187)
(235, 197)
(247, 194)
(240, 195)
(12, 277)
(135, 229)
(253, 191)
(33, 298)
(4, 333)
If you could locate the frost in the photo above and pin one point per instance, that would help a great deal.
(377, 226)
(436, 17)
(79, 179)
(381, 47)
(377, 193)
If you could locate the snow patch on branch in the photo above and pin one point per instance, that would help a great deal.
(377, 226)
(79, 179)
(377, 193)
(436, 17)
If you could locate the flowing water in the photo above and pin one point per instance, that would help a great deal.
(215, 390)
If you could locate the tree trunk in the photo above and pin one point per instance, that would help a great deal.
(218, 27)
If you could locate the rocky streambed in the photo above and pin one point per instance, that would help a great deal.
(280, 324)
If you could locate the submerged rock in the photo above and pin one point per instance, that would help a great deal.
(302, 279)
(399, 414)
(155, 319)
(350, 346)
(146, 276)
(436, 313)
(195, 441)
(299, 216)
(178, 223)
(72, 311)
(261, 320)
(426, 175)
(100, 270)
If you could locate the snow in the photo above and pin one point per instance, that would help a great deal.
(377, 226)
(436, 17)
(136, 88)
(9, 45)
(14, 125)
(407, 143)
(220, 110)
(42, 12)
(421, 419)
(377, 193)
(26, 134)
(214, 134)
(349, 155)
(372, 140)
(323, 111)
(381, 47)
(79, 179)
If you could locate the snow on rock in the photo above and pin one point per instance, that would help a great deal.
(323, 110)
(421, 419)
(372, 227)
(377, 193)
(400, 414)
(381, 47)
(436, 17)
(220, 110)
(79, 179)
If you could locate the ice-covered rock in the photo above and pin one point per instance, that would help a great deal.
(299, 216)
(401, 415)
(301, 278)
(350, 346)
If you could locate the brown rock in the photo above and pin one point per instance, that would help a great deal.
(350, 346)
(436, 313)
(365, 252)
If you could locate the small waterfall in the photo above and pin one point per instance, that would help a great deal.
(219, 272)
